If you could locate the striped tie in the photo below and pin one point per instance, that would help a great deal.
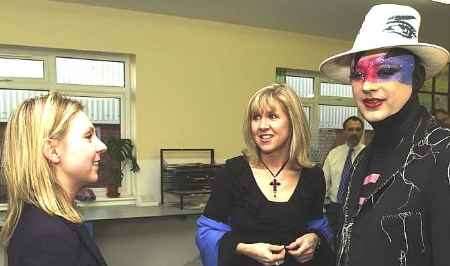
(345, 177)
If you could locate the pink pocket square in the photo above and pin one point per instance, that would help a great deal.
(362, 200)
(372, 178)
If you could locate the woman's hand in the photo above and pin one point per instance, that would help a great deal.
(302, 249)
(263, 253)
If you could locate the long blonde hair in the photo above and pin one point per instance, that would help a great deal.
(300, 133)
(30, 177)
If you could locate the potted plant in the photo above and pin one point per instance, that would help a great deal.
(120, 152)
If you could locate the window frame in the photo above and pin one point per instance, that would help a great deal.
(48, 83)
(317, 100)
(433, 93)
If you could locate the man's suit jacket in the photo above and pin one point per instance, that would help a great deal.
(43, 240)
(406, 220)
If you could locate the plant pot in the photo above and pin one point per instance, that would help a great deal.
(112, 191)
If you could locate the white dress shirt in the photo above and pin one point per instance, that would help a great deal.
(332, 169)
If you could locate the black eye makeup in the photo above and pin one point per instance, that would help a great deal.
(386, 71)
(357, 75)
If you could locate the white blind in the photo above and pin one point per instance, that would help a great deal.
(10, 99)
(101, 110)
(332, 89)
(332, 116)
(304, 87)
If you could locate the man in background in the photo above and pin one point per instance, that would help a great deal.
(337, 169)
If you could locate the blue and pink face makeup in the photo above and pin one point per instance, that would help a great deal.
(384, 68)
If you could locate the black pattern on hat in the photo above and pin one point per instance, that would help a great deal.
(400, 25)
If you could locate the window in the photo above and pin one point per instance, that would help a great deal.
(434, 94)
(328, 104)
(21, 68)
(101, 82)
(90, 72)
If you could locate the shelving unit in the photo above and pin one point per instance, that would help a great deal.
(183, 176)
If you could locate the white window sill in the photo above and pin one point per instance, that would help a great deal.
(100, 201)
(122, 209)
(105, 201)
(121, 212)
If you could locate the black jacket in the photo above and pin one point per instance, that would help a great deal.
(406, 220)
(43, 240)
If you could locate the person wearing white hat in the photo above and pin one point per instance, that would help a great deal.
(396, 207)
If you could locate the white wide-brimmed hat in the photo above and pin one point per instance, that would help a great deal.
(388, 26)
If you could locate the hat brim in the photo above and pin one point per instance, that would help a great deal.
(433, 58)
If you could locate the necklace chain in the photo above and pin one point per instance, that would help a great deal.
(274, 183)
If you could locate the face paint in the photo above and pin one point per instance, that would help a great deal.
(384, 68)
(382, 83)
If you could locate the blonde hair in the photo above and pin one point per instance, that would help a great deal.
(30, 177)
(300, 133)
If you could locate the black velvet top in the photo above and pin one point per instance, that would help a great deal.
(389, 134)
(237, 200)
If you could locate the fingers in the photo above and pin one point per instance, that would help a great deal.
(292, 246)
(276, 248)
(278, 262)
(278, 253)
(275, 263)
(301, 251)
(302, 256)
(305, 258)
(277, 256)
(297, 247)
(303, 248)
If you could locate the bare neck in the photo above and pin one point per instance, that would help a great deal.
(71, 188)
(275, 160)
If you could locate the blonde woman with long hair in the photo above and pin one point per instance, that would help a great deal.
(266, 205)
(50, 151)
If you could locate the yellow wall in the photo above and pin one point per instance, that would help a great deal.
(193, 77)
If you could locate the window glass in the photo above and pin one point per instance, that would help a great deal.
(332, 89)
(425, 100)
(306, 110)
(21, 68)
(10, 99)
(441, 81)
(427, 86)
(90, 72)
(441, 102)
(303, 86)
(333, 116)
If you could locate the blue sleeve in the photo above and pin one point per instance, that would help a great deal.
(319, 223)
(209, 232)
(321, 226)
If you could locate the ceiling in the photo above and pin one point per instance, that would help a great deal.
(339, 19)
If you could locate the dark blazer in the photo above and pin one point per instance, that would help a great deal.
(406, 220)
(43, 240)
